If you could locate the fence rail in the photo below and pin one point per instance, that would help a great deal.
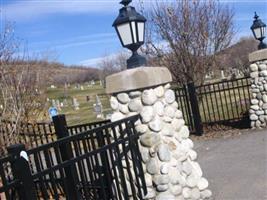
(36, 134)
(222, 103)
(102, 163)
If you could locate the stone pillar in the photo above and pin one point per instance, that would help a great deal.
(258, 74)
(169, 160)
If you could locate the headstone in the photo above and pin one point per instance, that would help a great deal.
(98, 108)
(1, 107)
(54, 103)
(222, 74)
(92, 82)
(65, 102)
(58, 104)
(82, 88)
(75, 104)
(53, 86)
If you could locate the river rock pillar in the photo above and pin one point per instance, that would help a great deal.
(258, 74)
(169, 161)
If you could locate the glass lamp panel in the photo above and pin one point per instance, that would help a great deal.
(125, 33)
(257, 32)
(263, 31)
(134, 32)
(141, 30)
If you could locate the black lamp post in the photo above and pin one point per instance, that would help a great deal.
(130, 27)
(259, 30)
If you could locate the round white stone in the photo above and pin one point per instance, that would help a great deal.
(176, 189)
(159, 91)
(165, 196)
(123, 108)
(150, 139)
(167, 86)
(155, 125)
(253, 67)
(167, 130)
(179, 114)
(148, 179)
(152, 166)
(169, 111)
(162, 188)
(135, 105)
(141, 128)
(164, 153)
(264, 98)
(206, 194)
(254, 74)
(175, 105)
(161, 179)
(253, 117)
(169, 96)
(261, 67)
(159, 108)
(202, 184)
(114, 104)
(195, 194)
(177, 124)
(117, 116)
(164, 169)
(184, 132)
(187, 167)
(135, 94)
(149, 97)
(255, 101)
(186, 192)
(192, 181)
(123, 98)
(151, 194)
(147, 114)
(192, 154)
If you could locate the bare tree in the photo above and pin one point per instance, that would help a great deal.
(112, 64)
(21, 93)
(185, 36)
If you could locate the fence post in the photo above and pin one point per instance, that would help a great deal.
(71, 179)
(195, 108)
(21, 171)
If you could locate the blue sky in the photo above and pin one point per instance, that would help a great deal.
(80, 31)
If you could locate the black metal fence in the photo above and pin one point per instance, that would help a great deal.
(36, 134)
(102, 163)
(220, 104)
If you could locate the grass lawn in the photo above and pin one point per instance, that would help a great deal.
(85, 113)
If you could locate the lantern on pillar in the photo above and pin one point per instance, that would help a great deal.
(259, 30)
(130, 27)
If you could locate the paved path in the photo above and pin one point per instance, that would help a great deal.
(235, 167)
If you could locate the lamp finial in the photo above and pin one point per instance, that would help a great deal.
(125, 2)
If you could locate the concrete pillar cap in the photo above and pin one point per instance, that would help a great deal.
(258, 55)
(137, 78)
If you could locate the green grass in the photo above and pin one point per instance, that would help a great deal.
(86, 112)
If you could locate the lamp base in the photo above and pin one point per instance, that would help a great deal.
(262, 45)
(136, 61)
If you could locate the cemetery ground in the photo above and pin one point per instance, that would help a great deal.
(236, 166)
(85, 113)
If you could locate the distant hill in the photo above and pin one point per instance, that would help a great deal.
(56, 73)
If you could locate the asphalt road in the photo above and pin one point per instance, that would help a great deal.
(236, 167)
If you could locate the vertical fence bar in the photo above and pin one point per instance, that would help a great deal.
(21, 171)
(71, 178)
(195, 108)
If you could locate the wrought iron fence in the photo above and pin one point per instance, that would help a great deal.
(36, 134)
(102, 163)
(214, 105)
